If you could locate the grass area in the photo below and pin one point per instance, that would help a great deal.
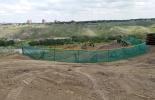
(100, 28)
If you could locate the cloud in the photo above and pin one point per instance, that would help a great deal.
(21, 10)
(22, 6)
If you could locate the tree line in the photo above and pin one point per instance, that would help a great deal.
(5, 42)
(72, 40)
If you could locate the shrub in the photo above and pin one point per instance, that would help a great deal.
(4, 42)
(74, 39)
(47, 42)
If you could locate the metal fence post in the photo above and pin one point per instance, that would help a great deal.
(97, 57)
(54, 54)
(108, 56)
(78, 56)
(75, 56)
(22, 51)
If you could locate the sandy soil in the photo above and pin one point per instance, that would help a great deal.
(97, 46)
(24, 79)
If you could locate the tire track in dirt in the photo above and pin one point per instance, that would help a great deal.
(14, 93)
(94, 83)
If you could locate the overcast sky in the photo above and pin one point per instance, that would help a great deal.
(65, 10)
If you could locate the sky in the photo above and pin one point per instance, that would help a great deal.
(78, 10)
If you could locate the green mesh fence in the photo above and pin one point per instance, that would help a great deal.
(84, 56)
(131, 40)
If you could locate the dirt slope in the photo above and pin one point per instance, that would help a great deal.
(26, 79)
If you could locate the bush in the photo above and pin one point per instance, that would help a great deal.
(47, 42)
(74, 39)
(4, 42)
(97, 39)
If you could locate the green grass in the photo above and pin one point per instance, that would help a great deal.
(112, 28)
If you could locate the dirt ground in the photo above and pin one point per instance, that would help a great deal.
(97, 46)
(22, 78)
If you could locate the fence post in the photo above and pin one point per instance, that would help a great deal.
(96, 57)
(78, 55)
(54, 54)
(108, 56)
(75, 56)
(22, 51)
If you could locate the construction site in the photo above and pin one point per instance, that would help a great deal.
(25, 78)
(77, 50)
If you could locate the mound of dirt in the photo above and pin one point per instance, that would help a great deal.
(112, 45)
(86, 46)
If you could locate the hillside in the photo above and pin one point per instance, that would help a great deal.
(138, 27)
